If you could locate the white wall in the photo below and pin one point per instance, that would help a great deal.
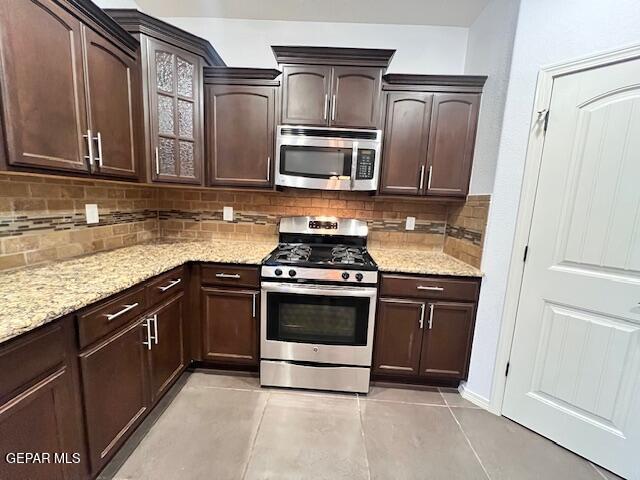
(548, 32)
(246, 43)
(489, 48)
(117, 4)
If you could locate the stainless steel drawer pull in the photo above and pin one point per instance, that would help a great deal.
(171, 284)
(326, 104)
(333, 107)
(157, 162)
(112, 316)
(254, 305)
(422, 316)
(155, 328)
(89, 138)
(431, 308)
(421, 184)
(431, 289)
(227, 275)
(430, 175)
(99, 138)
(147, 325)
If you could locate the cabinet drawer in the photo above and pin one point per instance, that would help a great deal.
(165, 286)
(108, 316)
(429, 287)
(230, 275)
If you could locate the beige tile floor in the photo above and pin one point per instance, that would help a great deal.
(227, 427)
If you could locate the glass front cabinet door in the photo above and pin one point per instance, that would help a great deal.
(175, 89)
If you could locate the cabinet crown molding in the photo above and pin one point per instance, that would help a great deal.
(136, 22)
(435, 80)
(371, 57)
(99, 16)
(240, 76)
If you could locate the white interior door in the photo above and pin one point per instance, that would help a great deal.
(575, 362)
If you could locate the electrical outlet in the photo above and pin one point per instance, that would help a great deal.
(227, 214)
(91, 213)
(410, 223)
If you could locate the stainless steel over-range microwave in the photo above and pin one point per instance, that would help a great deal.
(328, 158)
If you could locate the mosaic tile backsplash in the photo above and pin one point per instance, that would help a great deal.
(42, 218)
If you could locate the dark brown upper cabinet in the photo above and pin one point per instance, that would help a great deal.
(429, 134)
(240, 126)
(68, 89)
(171, 61)
(337, 87)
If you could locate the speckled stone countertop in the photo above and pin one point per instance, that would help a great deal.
(423, 262)
(33, 296)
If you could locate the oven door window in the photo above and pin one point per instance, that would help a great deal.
(315, 162)
(317, 319)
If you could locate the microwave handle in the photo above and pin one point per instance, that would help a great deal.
(354, 164)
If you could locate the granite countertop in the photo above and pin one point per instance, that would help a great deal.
(421, 261)
(33, 296)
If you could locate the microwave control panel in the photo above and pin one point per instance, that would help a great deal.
(365, 164)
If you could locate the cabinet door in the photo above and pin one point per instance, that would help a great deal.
(167, 352)
(175, 92)
(240, 131)
(112, 90)
(114, 383)
(447, 340)
(43, 98)
(305, 94)
(405, 141)
(398, 337)
(230, 326)
(355, 97)
(452, 136)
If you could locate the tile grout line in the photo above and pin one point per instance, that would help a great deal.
(255, 437)
(364, 442)
(464, 434)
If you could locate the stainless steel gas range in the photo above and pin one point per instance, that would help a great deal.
(319, 290)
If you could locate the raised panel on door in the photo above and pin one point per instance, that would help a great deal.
(114, 384)
(305, 95)
(167, 352)
(240, 130)
(43, 98)
(42, 419)
(175, 97)
(398, 337)
(111, 92)
(230, 326)
(454, 119)
(447, 340)
(405, 141)
(355, 97)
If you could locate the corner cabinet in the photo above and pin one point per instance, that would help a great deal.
(70, 98)
(424, 328)
(336, 87)
(172, 62)
(429, 134)
(240, 126)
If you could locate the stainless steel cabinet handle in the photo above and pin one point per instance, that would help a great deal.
(333, 107)
(254, 304)
(326, 104)
(147, 324)
(431, 289)
(422, 316)
(227, 275)
(171, 284)
(429, 178)
(157, 163)
(155, 328)
(421, 177)
(112, 316)
(89, 138)
(268, 168)
(431, 308)
(99, 138)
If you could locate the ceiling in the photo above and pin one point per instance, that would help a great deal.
(460, 13)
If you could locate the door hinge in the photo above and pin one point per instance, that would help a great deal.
(526, 251)
(546, 121)
(506, 372)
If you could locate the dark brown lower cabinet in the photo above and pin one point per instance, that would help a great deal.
(167, 351)
(116, 395)
(230, 325)
(40, 405)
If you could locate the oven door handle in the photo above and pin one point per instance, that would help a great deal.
(354, 164)
(341, 291)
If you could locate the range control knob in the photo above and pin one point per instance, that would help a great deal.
(278, 272)
(359, 277)
(345, 275)
(292, 273)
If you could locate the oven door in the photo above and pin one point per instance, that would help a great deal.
(323, 324)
